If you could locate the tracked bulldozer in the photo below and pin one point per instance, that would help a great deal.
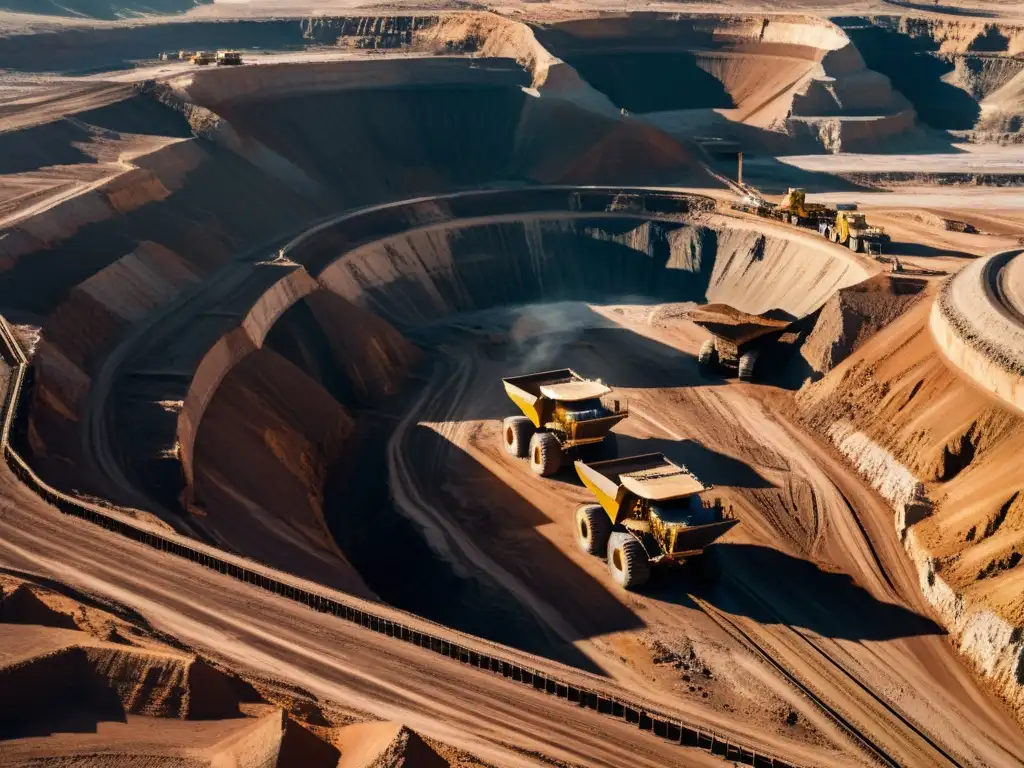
(563, 413)
(648, 511)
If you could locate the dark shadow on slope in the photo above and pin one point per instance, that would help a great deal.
(903, 248)
(59, 693)
(771, 587)
(914, 69)
(710, 466)
(392, 554)
(651, 81)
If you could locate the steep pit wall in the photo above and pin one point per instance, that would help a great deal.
(428, 273)
(768, 81)
(947, 456)
(960, 75)
(278, 148)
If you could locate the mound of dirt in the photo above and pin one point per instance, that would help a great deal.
(73, 697)
(854, 314)
(385, 745)
(22, 606)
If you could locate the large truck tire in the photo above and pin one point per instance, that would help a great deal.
(834, 235)
(627, 561)
(545, 454)
(516, 432)
(748, 361)
(708, 355)
(593, 529)
(854, 244)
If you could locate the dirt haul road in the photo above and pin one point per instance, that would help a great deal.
(265, 636)
(814, 573)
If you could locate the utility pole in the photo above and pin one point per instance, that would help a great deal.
(739, 168)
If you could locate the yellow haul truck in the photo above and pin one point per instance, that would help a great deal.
(649, 510)
(850, 228)
(562, 412)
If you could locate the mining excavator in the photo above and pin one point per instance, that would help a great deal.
(563, 413)
(648, 511)
(850, 228)
(737, 337)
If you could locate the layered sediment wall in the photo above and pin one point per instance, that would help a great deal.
(946, 455)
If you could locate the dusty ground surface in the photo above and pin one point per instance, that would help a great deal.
(354, 439)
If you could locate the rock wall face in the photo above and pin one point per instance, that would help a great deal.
(960, 75)
(261, 458)
(898, 412)
(420, 277)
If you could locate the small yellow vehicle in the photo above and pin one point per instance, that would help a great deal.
(795, 209)
(850, 228)
(649, 510)
(562, 413)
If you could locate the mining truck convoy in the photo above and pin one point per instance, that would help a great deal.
(842, 224)
(562, 413)
(648, 511)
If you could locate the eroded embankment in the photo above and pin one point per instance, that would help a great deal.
(947, 457)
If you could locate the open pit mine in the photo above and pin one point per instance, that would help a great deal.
(518, 386)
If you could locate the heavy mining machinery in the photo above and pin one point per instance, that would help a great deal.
(228, 58)
(737, 337)
(794, 208)
(842, 224)
(202, 58)
(648, 511)
(563, 413)
(850, 228)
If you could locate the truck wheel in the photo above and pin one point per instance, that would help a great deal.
(593, 527)
(708, 355)
(854, 244)
(794, 220)
(545, 454)
(834, 235)
(515, 435)
(746, 368)
(628, 561)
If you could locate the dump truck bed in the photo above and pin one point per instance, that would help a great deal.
(539, 395)
(650, 476)
(735, 326)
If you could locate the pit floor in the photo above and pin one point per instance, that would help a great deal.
(813, 574)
